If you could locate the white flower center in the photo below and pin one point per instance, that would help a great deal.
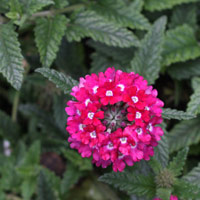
(133, 147)
(134, 99)
(110, 146)
(90, 115)
(81, 127)
(139, 131)
(87, 101)
(138, 115)
(121, 87)
(78, 112)
(109, 93)
(150, 127)
(120, 156)
(123, 140)
(95, 89)
(93, 134)
(147, 108)
(109, 130)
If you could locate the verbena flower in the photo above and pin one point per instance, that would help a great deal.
(114, 118)
(171, 198)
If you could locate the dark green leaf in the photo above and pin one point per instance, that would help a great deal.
(10, 56)
(147, 60)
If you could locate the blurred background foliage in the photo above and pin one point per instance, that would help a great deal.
(46, 45)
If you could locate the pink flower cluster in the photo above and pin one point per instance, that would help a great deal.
(114, 118)
(171, 198)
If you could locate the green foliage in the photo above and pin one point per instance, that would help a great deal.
(132, 183)
(151, 50)
(61, 3)
(90, 24)
(121, 14)
(163, 193)
(176, 165)
(62, 81)
(10, 56)
(180, 45)
(153, 5)
(169, 113)
(45, 191)
(48, 35)
(184, 134)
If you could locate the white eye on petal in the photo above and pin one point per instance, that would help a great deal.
(87, 101)
(93, 134)
(139, 131)
(121, 87)
(123, 140)
(90, 115)
(95, 89)
(109, 93)
(134, 99)
(110, 146)
(138, 115)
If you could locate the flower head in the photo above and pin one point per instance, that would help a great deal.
(114, 118)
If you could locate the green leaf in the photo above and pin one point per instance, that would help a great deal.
(133, 184)
(61, 80)
(147, 59)
(90, 24)
(48, 35)
(28, 188)
(163, 193)
(153, 5)
(178, 162)
(45, 191)
(194, 103)
(32, 6)
(180, 45)
(184, 14)
(77, 160)
(70, 178)
(61, 3)
(121, 14)
(169, 113)
(193, 176)
(184, 134)
(10, 56)
(185, 70)
(8, 128)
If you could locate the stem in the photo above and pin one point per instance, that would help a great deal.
(54, 12)
(15, 106)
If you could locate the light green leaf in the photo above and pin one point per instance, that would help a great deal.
(45, 191)
(28, 188)
(32, 6)
(121, 13)
(153, 5)
(61, 80)
(193, 176)
(180, 45)
(163, 193)
(185, 70)
(147, 60)
(194, 103)
(178, 162)
(169, 113)
(90, 24)
(48, 35)
(133, 184)
(61, 3)
(184, 134)
(10, 56)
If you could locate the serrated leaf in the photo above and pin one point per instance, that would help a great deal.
(184, 134)
(163, 193)
(153, 5)
(185, 70)
(90, 24)
(133, 184)
(10, 56)
(184, 14)
(32, 6)
(176, 165)
(61, 80)
(48, 35)
(193, 176)
(194, 103)
(70, 178)
(28, 188)
(45, 191)
(180, 45)
(169, 113)
(121, 14)
(147, 60)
